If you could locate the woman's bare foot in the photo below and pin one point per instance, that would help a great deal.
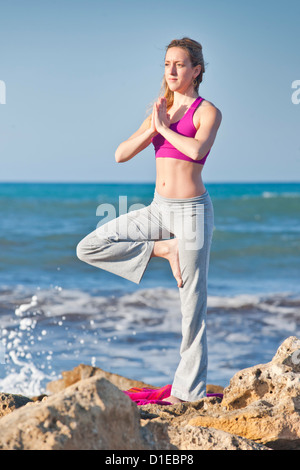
(173, 400)
(168, 249)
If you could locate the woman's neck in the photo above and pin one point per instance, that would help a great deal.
(184, 99)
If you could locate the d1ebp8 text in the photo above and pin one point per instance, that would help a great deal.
(150, 459)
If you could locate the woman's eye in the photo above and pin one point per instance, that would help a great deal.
(177, 65)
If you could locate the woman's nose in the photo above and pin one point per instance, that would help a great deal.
(173, 69)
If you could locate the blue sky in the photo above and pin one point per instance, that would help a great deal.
(80, 75)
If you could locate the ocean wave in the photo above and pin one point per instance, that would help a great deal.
(277, 303)
(47, 331)
(270, 194)
(56, 301)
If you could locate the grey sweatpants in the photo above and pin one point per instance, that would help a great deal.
(123, 246)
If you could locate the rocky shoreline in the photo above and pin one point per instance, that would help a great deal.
(87, 410)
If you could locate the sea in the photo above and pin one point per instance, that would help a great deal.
(57, 312)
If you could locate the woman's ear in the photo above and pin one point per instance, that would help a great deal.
(197, 71)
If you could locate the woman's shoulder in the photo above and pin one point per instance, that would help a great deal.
(207, 106)
(208, 110)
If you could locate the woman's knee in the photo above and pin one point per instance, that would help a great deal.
(90, 246)
(81, 250)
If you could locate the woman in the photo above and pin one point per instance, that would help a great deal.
(178, 224)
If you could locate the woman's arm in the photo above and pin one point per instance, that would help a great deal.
(194, 147)
(137, 142)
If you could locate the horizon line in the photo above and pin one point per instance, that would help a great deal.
(149, 182)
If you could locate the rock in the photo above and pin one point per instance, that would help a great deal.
(10, 402)
(262, 403)
(94, 414)
(161, 435)
(202, 438)
(84, 371)
(260, 410)
(168, 428)
(39, 397)
(91, 414)
(214, 388)
(272, 382)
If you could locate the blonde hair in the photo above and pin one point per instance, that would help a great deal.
(194, 51)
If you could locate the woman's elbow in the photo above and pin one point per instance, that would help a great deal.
(201, 152)
(118, 155)
(197, 153)
(122, 155)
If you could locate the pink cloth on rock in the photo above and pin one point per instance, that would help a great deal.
(144, 396)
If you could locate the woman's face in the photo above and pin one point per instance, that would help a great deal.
(179, 73)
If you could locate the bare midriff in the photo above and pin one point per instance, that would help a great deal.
(178, 178)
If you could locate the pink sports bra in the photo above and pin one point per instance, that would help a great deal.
(185, 126)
